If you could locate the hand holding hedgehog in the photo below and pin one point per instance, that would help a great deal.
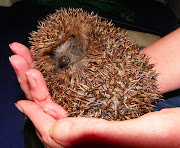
(93, 127)
(156, 129)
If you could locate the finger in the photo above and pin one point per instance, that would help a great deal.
(38, 88)
(55, 110)
(23, 51)
(149, 131)
(40, 94)
(20, 66)
(41, 120)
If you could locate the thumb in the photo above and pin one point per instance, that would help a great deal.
(90, 132)
(79, 132)
(147, 131)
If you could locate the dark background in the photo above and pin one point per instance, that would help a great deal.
(21, 18)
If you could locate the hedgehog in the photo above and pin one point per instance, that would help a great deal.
(91, 67)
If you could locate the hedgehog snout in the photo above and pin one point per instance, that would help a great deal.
(64, 61)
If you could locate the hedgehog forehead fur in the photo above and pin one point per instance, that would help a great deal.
(91, 68)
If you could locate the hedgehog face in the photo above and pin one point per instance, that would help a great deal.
(67, 53)
(91, 68)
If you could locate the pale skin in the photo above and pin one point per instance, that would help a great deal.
(55, 129)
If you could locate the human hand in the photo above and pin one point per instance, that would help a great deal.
(34, 87)
(23, 65)
(158, 129)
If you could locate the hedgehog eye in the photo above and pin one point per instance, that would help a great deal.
(51, 54)
(64, 61)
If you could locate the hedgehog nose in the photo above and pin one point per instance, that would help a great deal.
(64, 61)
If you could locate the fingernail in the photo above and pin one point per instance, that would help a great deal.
(10, 60)
(12, 63)
(9, 45)
(31, 80)
(50, 112)
(14, 67)
(60, 132)
(19, 107)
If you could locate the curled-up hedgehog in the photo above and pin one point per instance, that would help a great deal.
(91, 68)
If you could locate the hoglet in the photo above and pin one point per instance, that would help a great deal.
(91, 68)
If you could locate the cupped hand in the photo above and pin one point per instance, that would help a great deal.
(31, 80)
(156, 129)
(35, 89)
